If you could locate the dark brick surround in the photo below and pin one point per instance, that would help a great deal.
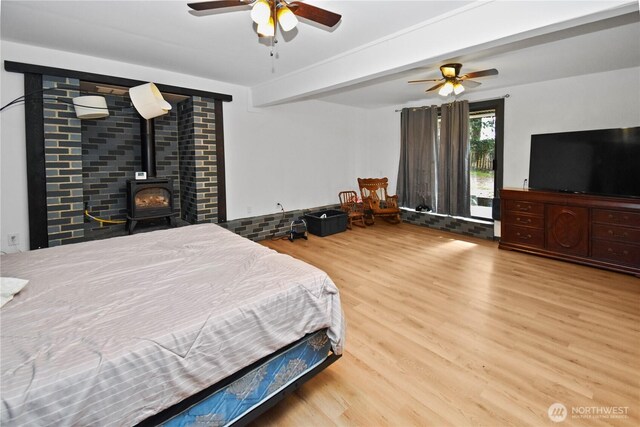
(111, 156)
(63, 162)
(481, 229)
(88, 162)
(272, 225)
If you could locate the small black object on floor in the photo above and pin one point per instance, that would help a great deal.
(298, 230)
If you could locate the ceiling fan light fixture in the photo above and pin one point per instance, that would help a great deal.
(458, 88)
(268, 29)
(446, 89)
(286, 18)
(261, 12)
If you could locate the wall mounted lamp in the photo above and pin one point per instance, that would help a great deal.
(148, 101)
(90, 107)
(86, 107)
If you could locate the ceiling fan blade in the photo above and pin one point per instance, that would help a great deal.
(208, 5)
(438, 86)
(315, 14)
(470, 84)
(483, 73)
(422, 81)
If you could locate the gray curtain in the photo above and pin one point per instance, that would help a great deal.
(453, 174)
(418, 157)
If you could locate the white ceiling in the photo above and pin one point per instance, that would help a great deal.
(224, 46)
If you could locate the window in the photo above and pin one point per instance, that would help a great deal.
(434, 169)
(485, 158)
(482, 140)
(486, 142)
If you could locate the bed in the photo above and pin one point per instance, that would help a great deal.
(125, 330)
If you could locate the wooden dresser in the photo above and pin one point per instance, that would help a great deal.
(594, 230)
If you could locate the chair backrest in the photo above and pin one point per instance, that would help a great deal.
(348, 200)
(374, 190)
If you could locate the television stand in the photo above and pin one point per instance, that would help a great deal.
(599, 231)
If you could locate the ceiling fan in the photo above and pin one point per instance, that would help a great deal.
(269, 14)
(452, 81)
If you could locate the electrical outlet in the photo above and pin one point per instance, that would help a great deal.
(248, 209)
(13, 239)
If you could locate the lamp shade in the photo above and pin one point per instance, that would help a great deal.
(90, 107)
(268, 29)
(261, 12)
(446, 89)
(149, 101)
(286, 18)
(458, 88)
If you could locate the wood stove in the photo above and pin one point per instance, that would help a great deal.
(149, 198)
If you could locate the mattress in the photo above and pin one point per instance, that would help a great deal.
(247, 392)
(111, 332)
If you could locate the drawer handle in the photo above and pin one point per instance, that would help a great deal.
(522, 236)
(623, 218)
(624, 234)
(523, 208)
(525, 220)
(612, 252)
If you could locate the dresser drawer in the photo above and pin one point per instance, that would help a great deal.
(630, 219)
(621, 253)
(533, 237)
(522, 206)
(524, 219)
(616, 233)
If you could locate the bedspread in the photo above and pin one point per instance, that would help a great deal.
(111, 332)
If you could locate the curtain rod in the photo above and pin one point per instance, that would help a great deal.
(479, 100)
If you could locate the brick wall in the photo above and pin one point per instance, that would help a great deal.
(110, 156)
(89, 161)
(272, 225)
(63, 162)
(167, 161)
(204, 135)
(186, 154)
(197, 153)
(481, 229)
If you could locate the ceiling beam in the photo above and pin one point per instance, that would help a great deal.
(479, 25)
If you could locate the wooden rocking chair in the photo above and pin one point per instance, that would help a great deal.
(349, 204)
(377, 202)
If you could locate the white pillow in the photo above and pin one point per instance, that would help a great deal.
(9, 286)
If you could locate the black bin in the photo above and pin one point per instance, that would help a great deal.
(335, 222)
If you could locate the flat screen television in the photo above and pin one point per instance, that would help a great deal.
(604, 162)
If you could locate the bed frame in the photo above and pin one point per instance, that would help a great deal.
(252, 415)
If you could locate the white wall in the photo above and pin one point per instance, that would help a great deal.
(592, 101)
(300, 155)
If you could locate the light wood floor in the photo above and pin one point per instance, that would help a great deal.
(447, 330)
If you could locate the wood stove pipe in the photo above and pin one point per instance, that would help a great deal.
(148, 147)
